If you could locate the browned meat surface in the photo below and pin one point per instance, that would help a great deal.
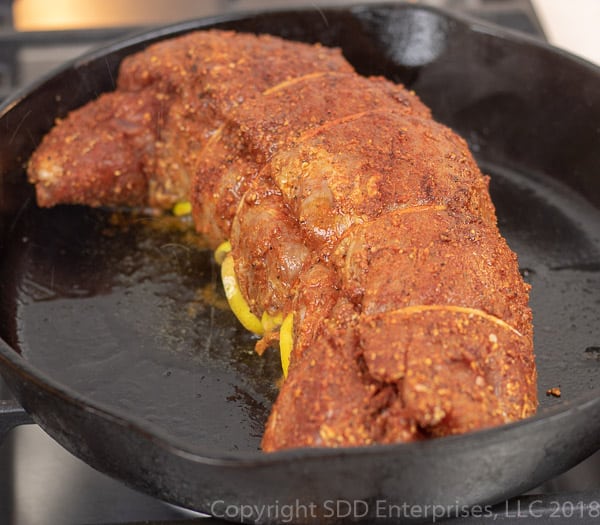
(347, 207)
(288, 113)
(102, 154)
(421, 356)
(185, 86)
(444, 371)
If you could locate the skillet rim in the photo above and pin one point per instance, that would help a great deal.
(150, 431)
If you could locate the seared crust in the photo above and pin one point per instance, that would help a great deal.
(404, 375)
(347, 207)
(440, 341)
(100, 154)
(438, 257)
(290, 113)
(187, 85)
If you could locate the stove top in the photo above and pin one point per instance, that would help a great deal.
(42, 483)
(27, 55)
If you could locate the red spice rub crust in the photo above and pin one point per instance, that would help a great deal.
(185, 87)
(346, 205)
(442, 372)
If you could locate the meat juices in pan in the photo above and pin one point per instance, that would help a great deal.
(349, 210)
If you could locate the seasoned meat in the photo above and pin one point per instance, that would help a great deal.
(185, 88)
(288, 113)
(101, 154)
(426, 358)
(349, 212)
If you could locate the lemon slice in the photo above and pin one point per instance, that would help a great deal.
(182, 208)
(222, 250)
(286, 342)
(236, 300)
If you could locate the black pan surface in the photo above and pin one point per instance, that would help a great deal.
(116, 337)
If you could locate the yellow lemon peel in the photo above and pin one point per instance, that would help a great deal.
(182, 208)
(286, 342)
(236, 300)
(271, 322)
(221, 252)
(268, 323)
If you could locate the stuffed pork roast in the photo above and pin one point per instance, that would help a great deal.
(359, 231)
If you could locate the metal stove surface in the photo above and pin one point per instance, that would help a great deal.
(41, 483)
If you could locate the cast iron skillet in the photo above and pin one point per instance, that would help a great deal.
(116, 342)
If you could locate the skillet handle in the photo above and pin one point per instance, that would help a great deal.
(12, 415)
